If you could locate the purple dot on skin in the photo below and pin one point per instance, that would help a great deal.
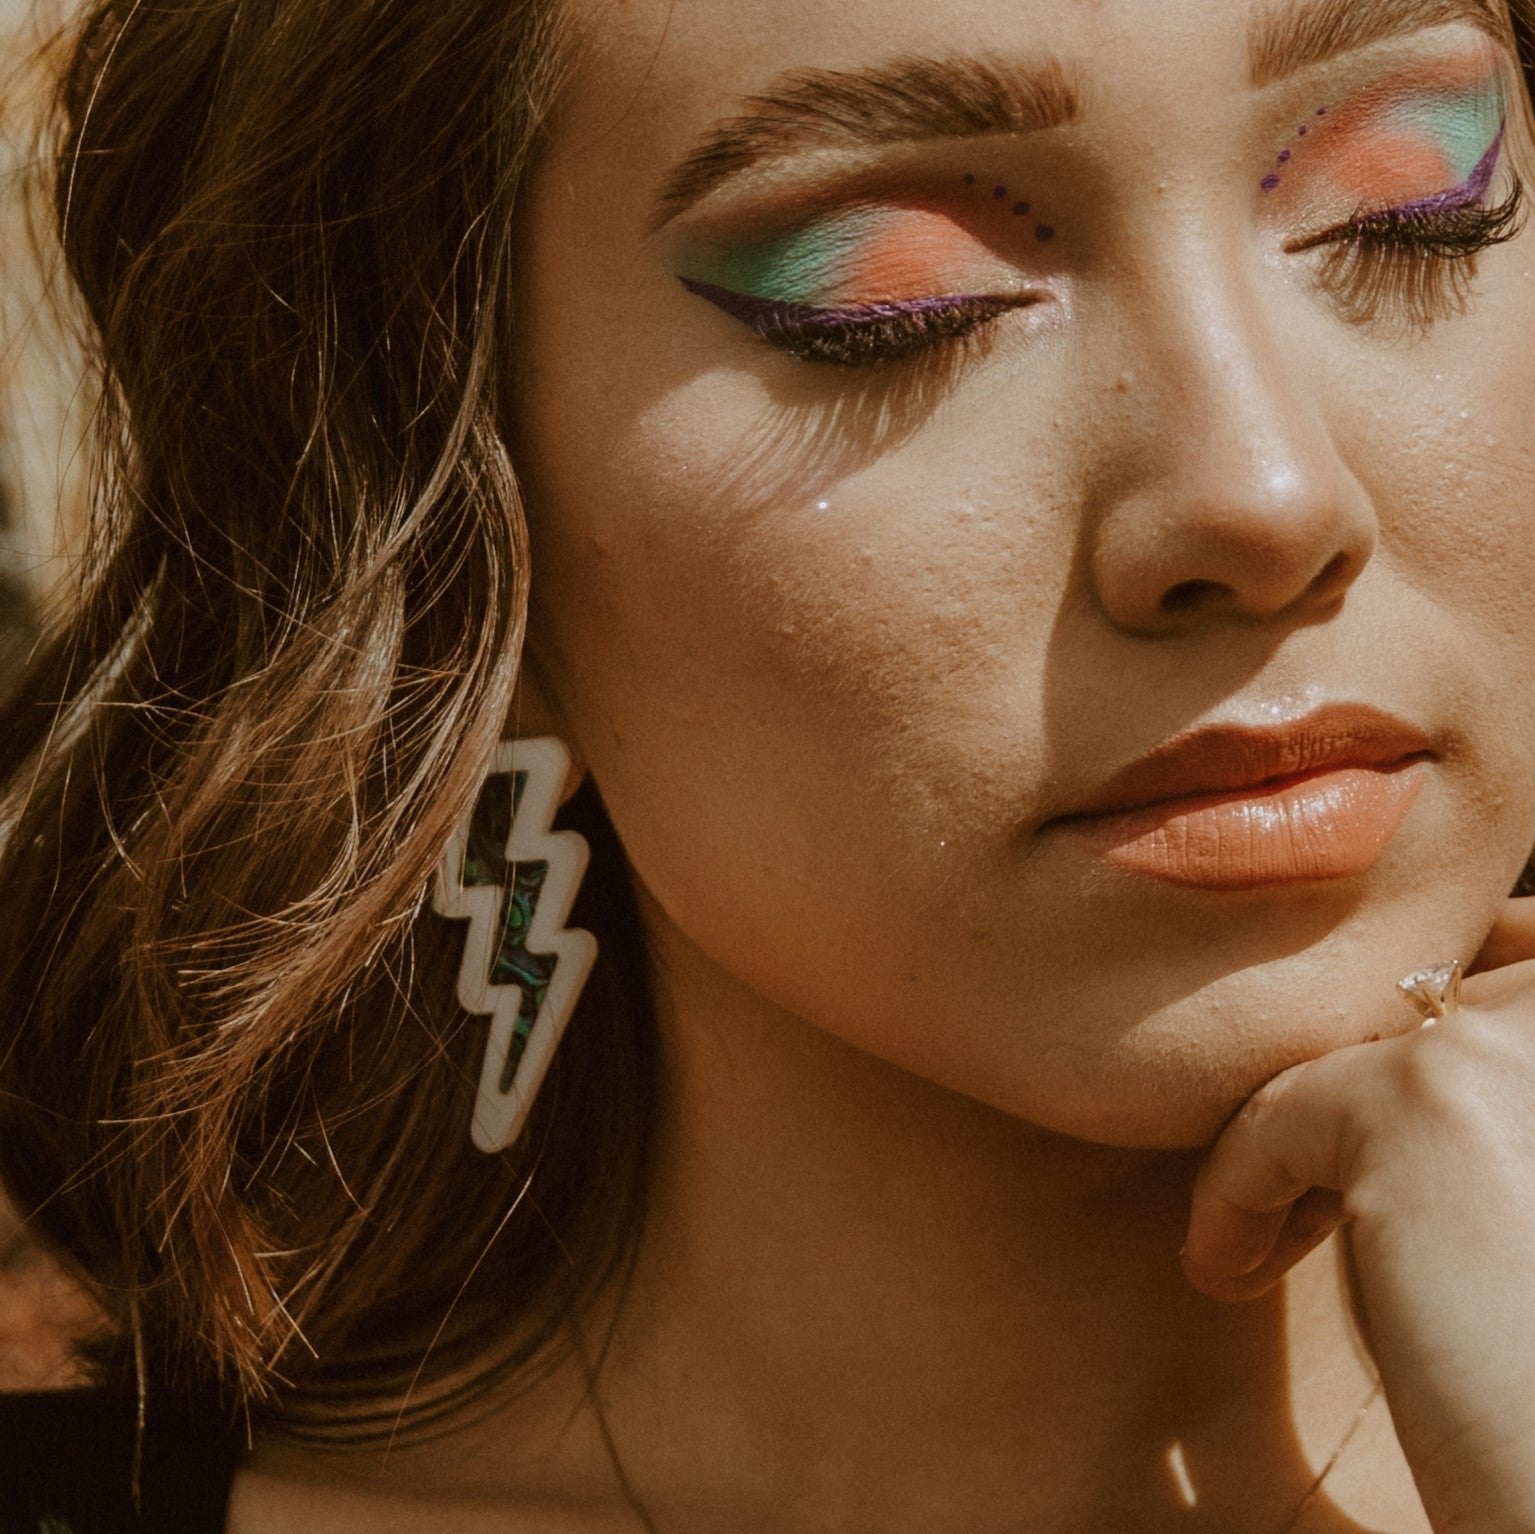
(1044, 234)
(1284, 155)
(999, 191)
(1321, 111)
(1020, 208)
(1303, 130)
(1270, 182)
(969, 179)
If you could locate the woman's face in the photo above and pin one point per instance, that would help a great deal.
(932, 411)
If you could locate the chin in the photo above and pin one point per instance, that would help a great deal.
(1166, 1066)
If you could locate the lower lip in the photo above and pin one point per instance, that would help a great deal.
(1330, 825)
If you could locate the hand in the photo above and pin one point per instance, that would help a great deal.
(1424, 1146)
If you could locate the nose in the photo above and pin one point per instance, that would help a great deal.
(1227, 499)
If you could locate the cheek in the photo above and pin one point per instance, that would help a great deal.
(1456, 487)
(807, 673)
(1442, 435)
(879, 626)
(810, 608)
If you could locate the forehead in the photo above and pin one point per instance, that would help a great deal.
(643, 64)
(658, 86)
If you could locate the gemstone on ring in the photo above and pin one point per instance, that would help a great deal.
(1434, 991)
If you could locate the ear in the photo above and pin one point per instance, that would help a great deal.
(535, 712)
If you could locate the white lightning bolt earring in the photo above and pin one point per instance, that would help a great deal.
(514, 879)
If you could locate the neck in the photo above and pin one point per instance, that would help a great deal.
(889, 1301)
(863, 1301)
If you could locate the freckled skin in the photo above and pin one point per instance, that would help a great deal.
(975, 637)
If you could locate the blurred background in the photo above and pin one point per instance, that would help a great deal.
(42, 415)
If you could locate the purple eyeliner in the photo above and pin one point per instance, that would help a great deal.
(1472, 190)
(768, 315)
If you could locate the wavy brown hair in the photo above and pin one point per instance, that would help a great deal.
(234, 1088)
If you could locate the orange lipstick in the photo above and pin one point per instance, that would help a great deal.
(1232, 808)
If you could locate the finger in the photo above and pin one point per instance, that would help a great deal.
(1492, 985)
(1294, 1134)
(1313, 1217)
(1512, 939)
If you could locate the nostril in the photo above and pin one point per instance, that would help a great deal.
(1198, 595)
(1335, 573)
(1187, 595)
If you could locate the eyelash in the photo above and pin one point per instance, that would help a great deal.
(859, 335)
(1418, 265)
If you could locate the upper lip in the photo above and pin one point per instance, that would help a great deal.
(1224, 759)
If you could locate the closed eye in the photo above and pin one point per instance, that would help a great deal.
(852, 335)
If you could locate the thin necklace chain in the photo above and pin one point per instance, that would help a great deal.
(640, 1512)
(1337, 1454)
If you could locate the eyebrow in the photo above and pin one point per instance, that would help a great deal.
(896, 102)
(913, 97)
(1286, 39)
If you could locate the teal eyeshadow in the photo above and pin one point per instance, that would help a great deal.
(800, 267)
(1465, 123)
